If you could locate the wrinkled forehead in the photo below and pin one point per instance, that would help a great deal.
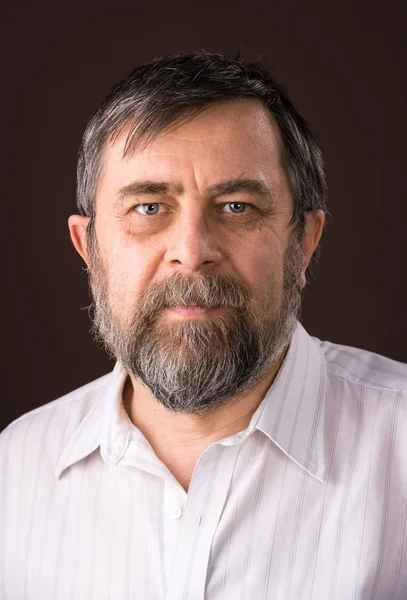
(228, 139)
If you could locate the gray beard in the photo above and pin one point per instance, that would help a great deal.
(193, 366)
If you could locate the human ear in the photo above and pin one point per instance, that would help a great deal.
(78, 230)
(315, 225)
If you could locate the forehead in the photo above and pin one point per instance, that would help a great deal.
(232, 139)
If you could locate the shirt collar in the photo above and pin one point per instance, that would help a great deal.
(107, 414)
(291, 413)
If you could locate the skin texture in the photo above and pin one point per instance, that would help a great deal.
(194, 233)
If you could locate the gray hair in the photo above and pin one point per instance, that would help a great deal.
(173, 89)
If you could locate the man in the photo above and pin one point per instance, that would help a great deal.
(229, 454)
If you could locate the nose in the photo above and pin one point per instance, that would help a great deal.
(193, 243)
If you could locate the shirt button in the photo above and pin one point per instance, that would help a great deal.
(176, 512)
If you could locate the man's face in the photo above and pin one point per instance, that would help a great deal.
(199, 217)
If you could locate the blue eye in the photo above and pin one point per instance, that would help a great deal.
(148, 209)
(237, 207)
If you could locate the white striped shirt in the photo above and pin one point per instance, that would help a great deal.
(308, 502)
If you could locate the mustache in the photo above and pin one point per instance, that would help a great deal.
(210, 290)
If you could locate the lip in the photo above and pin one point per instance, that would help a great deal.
(193, 311)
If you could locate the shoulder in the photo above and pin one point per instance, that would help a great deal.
(53, 421)
(364, 367)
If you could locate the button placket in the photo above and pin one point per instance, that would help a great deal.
(174, 504)
(205, 502)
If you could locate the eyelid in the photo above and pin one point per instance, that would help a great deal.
(134, 207)
(237, 202)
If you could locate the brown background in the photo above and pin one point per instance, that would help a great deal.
(344, 67)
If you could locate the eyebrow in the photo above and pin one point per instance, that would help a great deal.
(254, 187)
(148, 187)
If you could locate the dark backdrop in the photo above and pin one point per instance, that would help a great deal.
(344, 67)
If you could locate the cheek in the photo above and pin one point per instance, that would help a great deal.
(128, 276)
(261, 267)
